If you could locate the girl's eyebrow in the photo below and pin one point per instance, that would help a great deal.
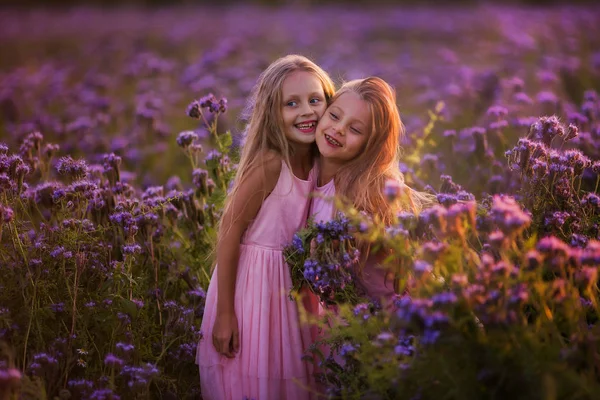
(352, 120)
(359, 122)
(313, 94)
(339, 110)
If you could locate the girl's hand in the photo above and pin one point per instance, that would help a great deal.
(313, 248)
(225, 335)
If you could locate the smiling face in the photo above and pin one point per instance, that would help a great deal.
(345, 128)
(303, 105)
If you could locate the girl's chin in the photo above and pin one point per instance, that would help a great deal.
(306, 140)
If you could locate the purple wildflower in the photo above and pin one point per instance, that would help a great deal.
(392, 189)
(546, 129)
(113, 361)
(297, 243)
(125, 347)
(186, 138)
(132, 249)
(193, 110)
(75, 169)
(6, 214)
(497, 111)
(422, 267)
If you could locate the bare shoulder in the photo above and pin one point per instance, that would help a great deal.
(271, 160)
(265, 172)
(270, 164)
(253, 188)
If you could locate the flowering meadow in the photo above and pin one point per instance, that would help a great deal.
(119, 132)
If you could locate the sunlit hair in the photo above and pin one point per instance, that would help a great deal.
(265, 131)
(362, 180)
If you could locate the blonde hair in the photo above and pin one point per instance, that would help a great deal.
(264, 131)
(362, 180)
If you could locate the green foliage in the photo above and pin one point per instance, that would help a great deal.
(103, 288)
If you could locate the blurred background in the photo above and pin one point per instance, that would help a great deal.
(116, 76)
(55, 3)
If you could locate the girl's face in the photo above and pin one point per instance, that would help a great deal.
(344, 129)
(303, 106)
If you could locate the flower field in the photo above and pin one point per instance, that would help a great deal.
(110, 195)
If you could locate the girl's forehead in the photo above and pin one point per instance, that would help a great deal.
(301, 79)
(353, 105)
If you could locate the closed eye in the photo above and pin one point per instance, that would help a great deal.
(333, 116)
(356, 130)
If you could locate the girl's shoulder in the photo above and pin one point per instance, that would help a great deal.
(271, 162)
(264, 172)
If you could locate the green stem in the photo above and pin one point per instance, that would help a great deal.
(15, 237)
(29, 327)
(155, 264)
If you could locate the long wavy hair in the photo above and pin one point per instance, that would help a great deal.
(362, 180)
(264, 130)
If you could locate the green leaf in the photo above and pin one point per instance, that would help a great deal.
(226, 140)
(128, 307)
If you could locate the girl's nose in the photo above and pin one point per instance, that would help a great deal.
(306, 109)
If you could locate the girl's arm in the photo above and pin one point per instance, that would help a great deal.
(251, 192)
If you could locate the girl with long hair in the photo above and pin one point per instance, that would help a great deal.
(253, 341)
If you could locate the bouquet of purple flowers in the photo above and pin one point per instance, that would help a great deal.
(323, 257)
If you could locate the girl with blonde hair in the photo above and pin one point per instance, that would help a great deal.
(359, 143)
(252, 341)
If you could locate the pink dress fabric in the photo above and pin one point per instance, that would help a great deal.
(268, 365)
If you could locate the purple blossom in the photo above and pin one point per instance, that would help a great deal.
(80, 384)
(405, 346)
(113, 361)
(213, 155)
(522, 98)
(124, 318)
(392, 189)
(6, 214)
(200, 178)
(422, 267)
(497, 111)
(58, 307)
(498, 125)
(57, 252)
(320, 238)
(552, 245)
(76, 169)
(186, 138)
(44, 359)
(363, 310)
(447, 199)
(297, 244)
(198, 293)
(546, 129)
(194, 110)
(104, 394)
(347, 349)
(592, 200)
(133, 248)
(509, 217)
(444, 298)
(125, 347)
(547, 97)
(138, 303)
